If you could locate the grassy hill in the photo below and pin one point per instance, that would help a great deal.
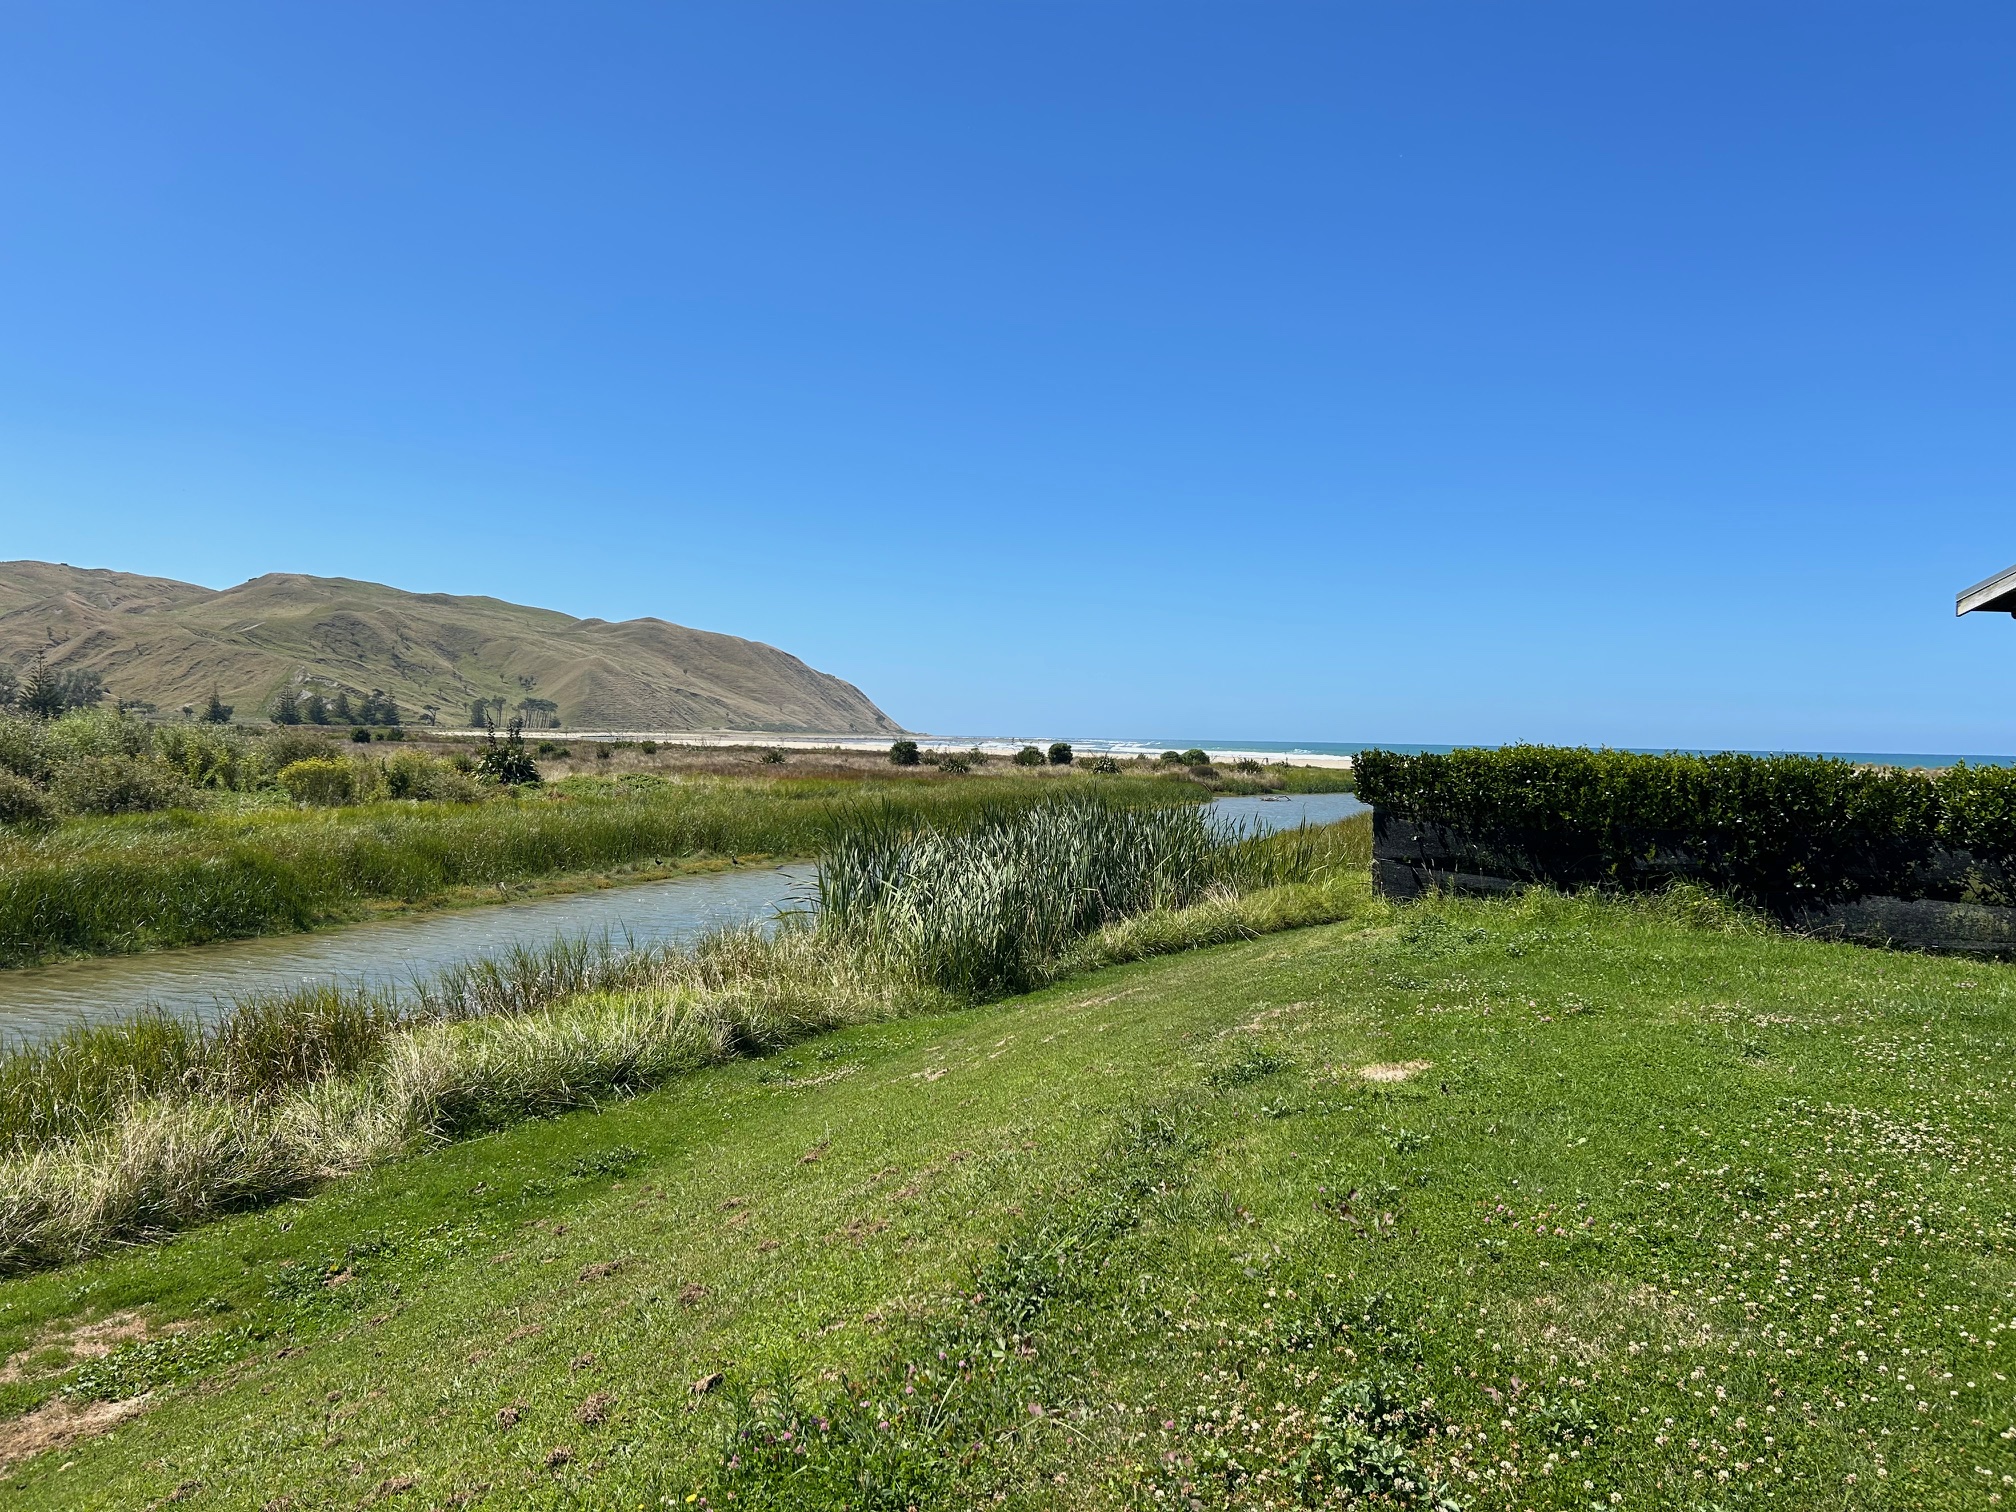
(170, 643)
(1541, 1203)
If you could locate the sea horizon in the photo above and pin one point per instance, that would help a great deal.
(1926, 759)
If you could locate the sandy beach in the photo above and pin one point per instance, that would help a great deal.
(992, 745)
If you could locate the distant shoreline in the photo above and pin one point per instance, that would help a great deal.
(1315, 753)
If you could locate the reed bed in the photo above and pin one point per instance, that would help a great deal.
(125, 1133)
(140, 882)
(983, 911)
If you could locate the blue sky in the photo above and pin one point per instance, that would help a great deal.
(1637, 374)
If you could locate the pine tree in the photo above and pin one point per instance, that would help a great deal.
(315, 709)
(378, 709)
(42, 694)
(216, 711)
(287, 708)
(340, 712)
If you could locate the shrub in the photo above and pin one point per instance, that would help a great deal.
(361, 735)
(289, 746)
(648, 747)
(1783, 832)
(1102, 766)
(1029, 756)
(214, 756)
(1978, 809)
(98, 732)
(24, 747)
(21, 802)
(1171, 758)
(1195, 757)
(772, 757)
(1060, 753)
(416, 775)
(904, 753)
(118, 785)
(958, 766)
(509, 764)
(1247, 765)
(321, 780)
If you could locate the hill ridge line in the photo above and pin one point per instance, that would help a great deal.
(165, 643)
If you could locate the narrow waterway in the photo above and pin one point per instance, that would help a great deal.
(202, 980)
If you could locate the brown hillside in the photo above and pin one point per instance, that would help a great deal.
(169, 643)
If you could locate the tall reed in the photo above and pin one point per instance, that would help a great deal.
(983, 911)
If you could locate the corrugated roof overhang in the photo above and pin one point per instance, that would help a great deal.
(1995, 596)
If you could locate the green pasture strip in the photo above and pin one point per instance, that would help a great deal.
(1543, 1203)
(147, 881)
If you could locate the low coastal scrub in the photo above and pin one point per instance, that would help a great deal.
(93, 762)
(128, 1132)
(144, 881)
(96, 761)
(1783, 832)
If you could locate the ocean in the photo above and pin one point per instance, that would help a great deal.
(1351, 748)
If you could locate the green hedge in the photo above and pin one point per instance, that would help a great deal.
(1781, 831)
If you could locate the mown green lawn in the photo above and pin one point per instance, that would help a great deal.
(1659, 1214)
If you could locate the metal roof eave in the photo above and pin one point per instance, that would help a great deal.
(1996, 595)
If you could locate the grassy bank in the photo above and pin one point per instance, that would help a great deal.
(145, 881)
(128, 1132)
(1535, 1204)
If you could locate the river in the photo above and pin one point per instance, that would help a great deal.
(200, 981)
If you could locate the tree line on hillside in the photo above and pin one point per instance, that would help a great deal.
(312, 707)
(47, 692)
(533, 713)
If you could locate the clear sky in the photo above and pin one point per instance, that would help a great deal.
(1632, 373)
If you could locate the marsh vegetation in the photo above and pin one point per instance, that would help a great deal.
(129, 1131)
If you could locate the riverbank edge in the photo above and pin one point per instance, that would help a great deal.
(176, 1164)
(456, 900)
